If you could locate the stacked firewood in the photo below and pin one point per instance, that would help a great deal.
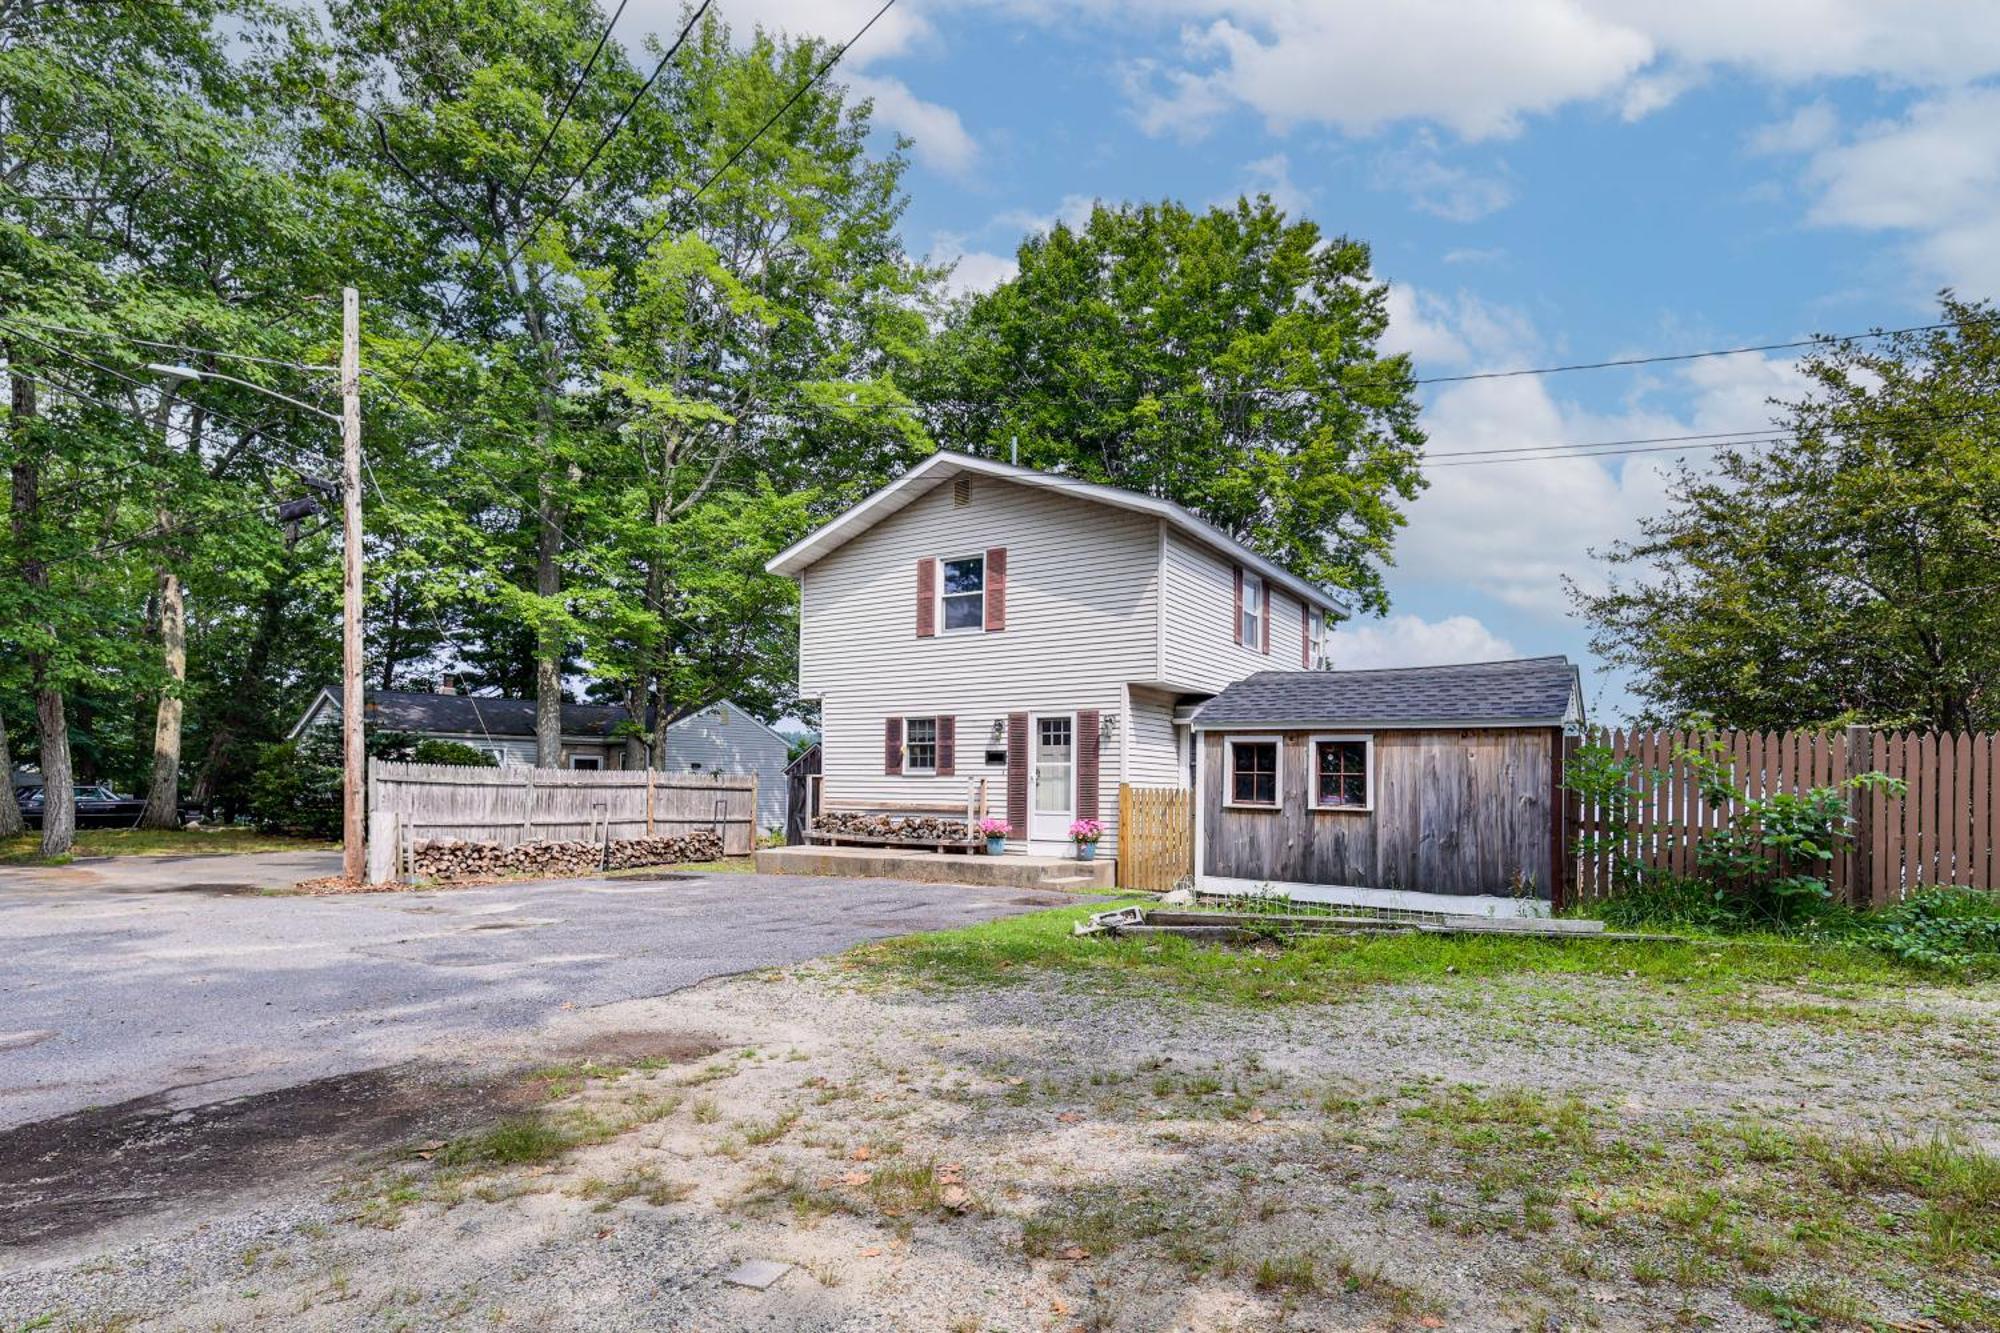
(915, 828)
(701, 845)
(454, 858)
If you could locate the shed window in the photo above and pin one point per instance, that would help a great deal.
(1341, 779)
(964, 593)
(585, 761)
(1253, 772)
(1253, 613)
(920, 745)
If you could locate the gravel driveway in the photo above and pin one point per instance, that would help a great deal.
(175, 979)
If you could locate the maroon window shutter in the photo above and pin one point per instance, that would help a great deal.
(996, 587)
(1086, 763)
(1305, 637)
(892, 745)
(947, 746)
(1269, 605)
(926, 597)
(1017, 773)
(1238, 626)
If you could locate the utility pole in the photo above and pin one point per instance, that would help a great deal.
(353, 819)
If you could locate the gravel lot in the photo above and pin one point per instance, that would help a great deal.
(1048, 1156)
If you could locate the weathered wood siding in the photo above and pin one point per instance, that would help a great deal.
(1458, 812)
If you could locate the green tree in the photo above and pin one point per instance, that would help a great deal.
(1226, 360)
(1850, 573)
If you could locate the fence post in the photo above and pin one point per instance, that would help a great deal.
(1860, 809)
(649, 796)
(1128, 846)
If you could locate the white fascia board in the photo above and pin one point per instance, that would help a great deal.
(1404, 724)
(942, 466)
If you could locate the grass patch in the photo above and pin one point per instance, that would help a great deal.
(26, 848)
(1330, 968)
(728, 865)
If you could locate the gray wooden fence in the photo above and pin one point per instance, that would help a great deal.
(410, 803)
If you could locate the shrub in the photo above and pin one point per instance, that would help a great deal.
(450, 752)
(296, 788)
(1948, 927)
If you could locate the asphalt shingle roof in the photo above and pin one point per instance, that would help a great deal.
(1533, 689)
(414, 710)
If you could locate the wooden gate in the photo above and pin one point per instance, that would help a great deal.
(1155, 837)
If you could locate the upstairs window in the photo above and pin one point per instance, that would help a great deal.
(963, 592)
(1253, 771)
(1340, 772)
(1321, 651)
(920, 749)
(1253, 613)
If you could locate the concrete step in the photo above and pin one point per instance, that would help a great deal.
(898, 863)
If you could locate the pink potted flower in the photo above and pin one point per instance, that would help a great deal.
(995, 831)
(1085, 833)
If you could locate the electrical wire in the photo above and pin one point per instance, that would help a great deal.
(749, 143)
(174, 347)
(1819, 341)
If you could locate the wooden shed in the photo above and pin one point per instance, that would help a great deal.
(1423, 788)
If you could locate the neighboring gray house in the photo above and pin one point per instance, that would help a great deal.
(974, 621)
(721, 738)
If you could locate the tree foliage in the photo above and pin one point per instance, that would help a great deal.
(1227, 360)
(1847, 574)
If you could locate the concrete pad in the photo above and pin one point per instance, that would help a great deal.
(1010, 871)
(757, 1274)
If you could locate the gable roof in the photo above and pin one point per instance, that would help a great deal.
(1532, 691)
(944, 465)
(487, 715)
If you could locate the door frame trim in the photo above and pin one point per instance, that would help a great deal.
(1034, 748)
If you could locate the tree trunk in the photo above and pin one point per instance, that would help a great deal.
(163, 795)
(548, 642)
(51, 727)
(58, 781)
(240, 708)
(10, 809)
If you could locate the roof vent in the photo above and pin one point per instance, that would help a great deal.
(961, 493)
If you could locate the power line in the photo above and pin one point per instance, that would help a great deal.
(791, 101)
(1818, 341)
(549, 214)
(172, 346)
(562, 114)
(1611, 453)
(1762, 434)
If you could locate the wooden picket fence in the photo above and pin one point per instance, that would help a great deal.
(1942, 831)
(507, 806)
(1155, 837)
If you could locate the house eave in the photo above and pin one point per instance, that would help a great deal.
(943, 466)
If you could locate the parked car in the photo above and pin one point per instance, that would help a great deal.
(97, 806)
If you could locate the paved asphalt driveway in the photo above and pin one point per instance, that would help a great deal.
(170, 979)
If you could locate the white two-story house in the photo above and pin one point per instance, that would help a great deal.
(974, 620)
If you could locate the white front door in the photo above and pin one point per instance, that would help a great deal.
(1052, 796)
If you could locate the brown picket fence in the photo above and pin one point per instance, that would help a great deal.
(1941, 831)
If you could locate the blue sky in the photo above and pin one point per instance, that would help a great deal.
(1540, 180)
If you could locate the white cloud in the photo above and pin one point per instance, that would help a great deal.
(1073, 211)
(1480, 68)
(1273, 176)
(1934, 174)
(941, 141)
(1408, 640)
(1435, 186)
(975, 270)
(1512, 530)
(1807, 129)
(903, 29)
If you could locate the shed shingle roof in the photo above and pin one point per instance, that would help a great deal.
(1530, 690)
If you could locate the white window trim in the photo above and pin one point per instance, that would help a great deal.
(944, 560)
(909, 769)
(1229, 744)
(1312, 772)
(1322, 641)
(1254, 642)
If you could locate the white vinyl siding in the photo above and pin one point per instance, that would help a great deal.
(1200, 648)
(1082, 597)
(1153, 756)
